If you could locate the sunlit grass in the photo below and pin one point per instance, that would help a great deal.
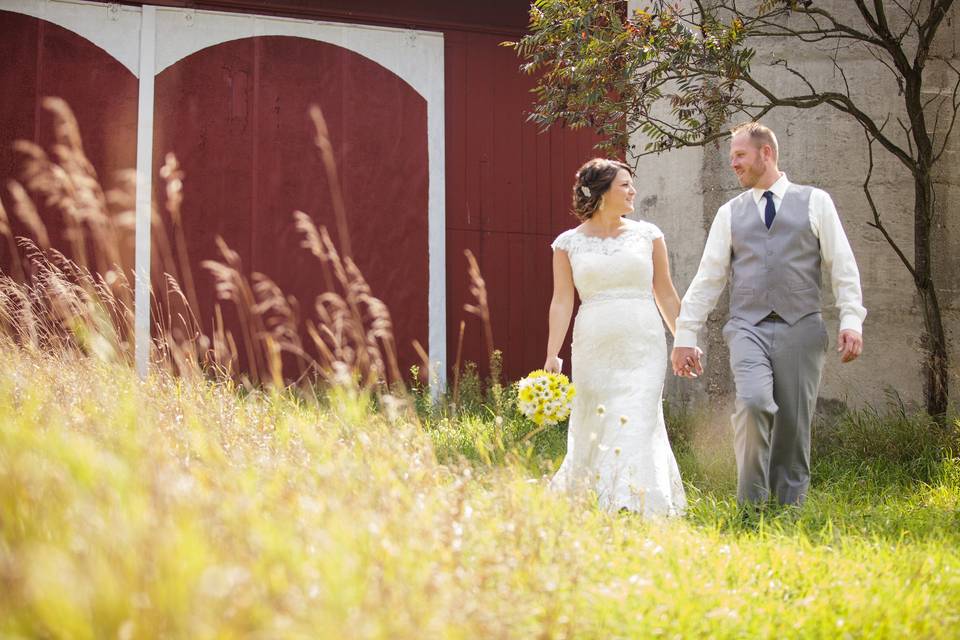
(182, 507)
(186, 509)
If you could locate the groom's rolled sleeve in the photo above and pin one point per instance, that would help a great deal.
(838, 259)
(702, 295)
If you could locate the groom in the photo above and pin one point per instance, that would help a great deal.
(770, 243)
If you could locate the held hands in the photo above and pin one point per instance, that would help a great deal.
(686, 362)
(849, 345)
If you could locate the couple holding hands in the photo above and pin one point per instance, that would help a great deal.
(770, 243)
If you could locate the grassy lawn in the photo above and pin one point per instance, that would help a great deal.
(186, 509)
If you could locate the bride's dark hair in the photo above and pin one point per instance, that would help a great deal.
(593, 180)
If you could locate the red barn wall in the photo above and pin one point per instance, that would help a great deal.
(235, 115)
(508, 196)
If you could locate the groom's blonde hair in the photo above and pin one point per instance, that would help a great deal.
(760, 135)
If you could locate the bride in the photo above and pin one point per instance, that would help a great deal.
(617, 443)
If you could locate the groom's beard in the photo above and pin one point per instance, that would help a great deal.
(751, 175)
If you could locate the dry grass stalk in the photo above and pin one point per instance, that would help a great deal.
(232, 286)
(325, 146)
(457, 363)
(97, 226)
(481, 309)
(426, 367)
(355, 329)
(64, 308)
(173, 176)
(281, 320)
(7, 232)
(26, 211)
(79, 305)
(67, 182)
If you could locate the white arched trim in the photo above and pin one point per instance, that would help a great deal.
(114, 28)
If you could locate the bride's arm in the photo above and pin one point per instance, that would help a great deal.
(663, 290)
(561, 308)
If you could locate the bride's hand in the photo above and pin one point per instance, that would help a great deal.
(552, 365)
(686, 362)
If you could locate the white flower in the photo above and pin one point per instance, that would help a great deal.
(498, 421)
(585, 190)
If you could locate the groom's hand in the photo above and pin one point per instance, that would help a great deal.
(849, 345)
(686, 362)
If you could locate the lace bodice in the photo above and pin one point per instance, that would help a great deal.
(618, 267)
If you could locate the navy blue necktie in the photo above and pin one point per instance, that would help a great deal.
(770, 211)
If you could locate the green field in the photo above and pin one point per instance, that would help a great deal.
(187, 509)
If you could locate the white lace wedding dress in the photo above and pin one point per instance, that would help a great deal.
(617, 443)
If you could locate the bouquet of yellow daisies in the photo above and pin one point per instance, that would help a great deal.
(545, 397)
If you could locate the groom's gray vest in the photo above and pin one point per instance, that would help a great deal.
(776, 269)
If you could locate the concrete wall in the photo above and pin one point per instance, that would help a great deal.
(681, 191)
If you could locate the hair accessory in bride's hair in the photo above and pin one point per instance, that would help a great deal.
(585, 190)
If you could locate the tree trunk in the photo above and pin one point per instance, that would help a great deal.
(936, 371)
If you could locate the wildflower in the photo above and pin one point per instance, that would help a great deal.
(393, 407)
(341, 374)
(498, 421)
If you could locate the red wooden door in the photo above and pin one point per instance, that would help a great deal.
(236, 114)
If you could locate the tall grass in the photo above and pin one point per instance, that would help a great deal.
(183, 509)
(208, 501)
(50, 298)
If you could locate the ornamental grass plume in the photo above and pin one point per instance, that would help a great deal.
(83, 301)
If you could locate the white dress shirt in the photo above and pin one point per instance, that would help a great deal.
(714, 271)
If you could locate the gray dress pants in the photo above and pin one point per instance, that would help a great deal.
(776, 369)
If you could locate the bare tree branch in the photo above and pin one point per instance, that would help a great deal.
(955, 104)
(877, 223)
(840, 102)
(886, 39)
(928, 30)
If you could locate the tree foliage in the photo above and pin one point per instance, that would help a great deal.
(678, 72)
